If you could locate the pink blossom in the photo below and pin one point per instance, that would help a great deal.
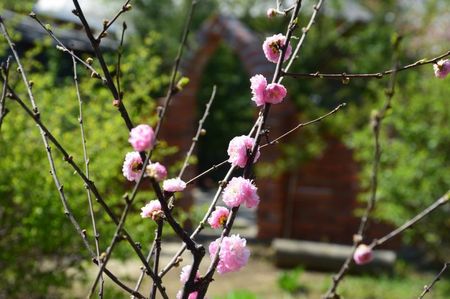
(233, 253)
(192, 295)
(185, 271)
(258, 84)
(174, 185)
(240, 191)
(363, 254)
(219, 217)
(271, 12)
(132, 165)
(237, 150)
(272, 47)
(275, 93)
(156, 171)
(263, 93)
(442, 68)
(152, 210)
(142, 138)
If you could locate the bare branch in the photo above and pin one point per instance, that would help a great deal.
(427, 288)
(379, 75)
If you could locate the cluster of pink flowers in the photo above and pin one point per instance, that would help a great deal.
(272, 47)
(238, 148)
(174, 185)
(240, 191)
(263, 93)
(132, 166)
(233, 254)
(156, 171)
(219, 217)
(363, 254)
(142, 138)
(442, 68)
(152, 210)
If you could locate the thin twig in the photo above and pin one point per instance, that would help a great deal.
(379, 75)
(305, 31)
(197, 134)
(172, 85)
(119, 57)
(158, 234)
(301, 125)
(141, 276)
(427, 288)
(86, 168)
(98, 53)
(376, 129)
(63, 48)
(3, 110)
(441, 201)
(126, 7)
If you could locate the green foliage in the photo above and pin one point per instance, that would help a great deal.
(414, 165)
(289, 281)
(240, 294)
(37, 242)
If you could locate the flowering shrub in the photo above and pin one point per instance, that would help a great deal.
(228, 253)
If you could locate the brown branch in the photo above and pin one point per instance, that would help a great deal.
(427, 288)
(86, 168)
(305, 31)
(379, 75)
(126, 7)
(141, 276)
(197, 134)
(5, 73)
(98, 53)
(301, 125)
(63, 48)
(376, 129)
(441, 201)
(158, 234)
(172, 85)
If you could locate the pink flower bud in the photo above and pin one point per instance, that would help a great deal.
(442, 68)
(363, 254)
(142, 138)
(156, 171)
(174, 185)
(271, 12)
